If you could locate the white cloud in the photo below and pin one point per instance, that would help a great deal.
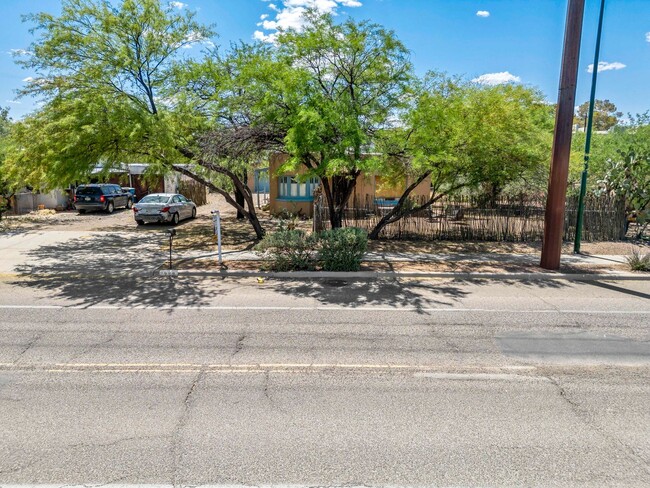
(178, 5)
(605, 66)
(20, 52)
(290, 15)
(260, 36)
(497, 78)
(647, 36)
(194, 38)
(36, 81)
(15, 102)
(482, 13)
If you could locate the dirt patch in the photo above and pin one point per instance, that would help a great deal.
(211, 264)
(620, 248)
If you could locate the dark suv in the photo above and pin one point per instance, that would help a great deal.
(105, 197)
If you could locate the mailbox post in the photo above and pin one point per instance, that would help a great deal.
(171, 233)
(216, 221)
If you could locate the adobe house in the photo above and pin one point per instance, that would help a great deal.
(288, 195)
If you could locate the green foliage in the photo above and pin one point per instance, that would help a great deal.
(287, 249)
(627, 172)
(638, 262)
(105, 75)
(351, 78)
(6, 188)
(606, 115)
(342, 249)
(467, 135)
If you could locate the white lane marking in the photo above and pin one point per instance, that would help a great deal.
(478, 376)
(255, 368)
(330, 308)
(261, 485)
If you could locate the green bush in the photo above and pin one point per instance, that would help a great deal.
(639, 262)
(343, 249)
(287, 249)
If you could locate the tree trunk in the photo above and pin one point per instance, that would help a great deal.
(239, 198)
(338, 191)
(397, 212)
(249, 214)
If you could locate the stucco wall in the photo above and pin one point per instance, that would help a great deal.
(367, 188)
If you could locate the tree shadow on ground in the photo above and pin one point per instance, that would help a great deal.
(413, 293)
(382, 292)
(95, 270)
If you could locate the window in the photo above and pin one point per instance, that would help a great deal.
(176, 199)
(182, 199)
(292, 189)
(88, 190)
(155, 199)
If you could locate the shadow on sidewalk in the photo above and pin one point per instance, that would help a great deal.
(93, 270)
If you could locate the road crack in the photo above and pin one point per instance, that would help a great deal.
(180, 425)
(29, 345)
(590, 422)
(93, 346)
(239, 345)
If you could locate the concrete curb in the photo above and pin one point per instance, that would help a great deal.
(320, 275)
(368, 275)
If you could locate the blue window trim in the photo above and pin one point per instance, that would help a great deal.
(310, 186)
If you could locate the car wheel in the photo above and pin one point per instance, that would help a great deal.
(110, 207)
(193, 212)
(139, 222)
(175, 218)
(129, 204)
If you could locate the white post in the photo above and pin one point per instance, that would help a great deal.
(216, 220)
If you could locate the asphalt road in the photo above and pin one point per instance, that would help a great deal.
(412, 383)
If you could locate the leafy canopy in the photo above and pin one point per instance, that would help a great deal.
(105, 74)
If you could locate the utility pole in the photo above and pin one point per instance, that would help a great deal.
(554, 218)
(588, 129)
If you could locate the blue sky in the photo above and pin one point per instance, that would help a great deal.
(492, 40)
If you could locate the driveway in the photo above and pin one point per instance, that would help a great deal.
(63, 242)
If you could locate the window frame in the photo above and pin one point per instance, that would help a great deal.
(285, 183)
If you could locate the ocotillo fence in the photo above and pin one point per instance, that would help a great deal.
(475, 219)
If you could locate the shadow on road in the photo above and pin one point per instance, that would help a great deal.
(93, 270)
(361, 293)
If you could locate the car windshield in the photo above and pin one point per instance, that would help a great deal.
(88, 190)
(155, 199)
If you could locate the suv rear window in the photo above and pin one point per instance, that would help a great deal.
(88, 190)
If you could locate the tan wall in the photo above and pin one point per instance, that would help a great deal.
(276, 205)
(367, 188)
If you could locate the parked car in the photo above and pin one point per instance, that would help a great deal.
(106, 197)
(163, 207)
(132, 192)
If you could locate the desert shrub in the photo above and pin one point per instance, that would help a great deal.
(343, 249)
(638, 261)
(287, 249)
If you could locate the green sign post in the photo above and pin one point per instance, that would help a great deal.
(588, 129)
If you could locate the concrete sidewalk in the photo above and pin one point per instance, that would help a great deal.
(405, 257)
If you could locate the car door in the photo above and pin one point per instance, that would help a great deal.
(177, 206)
(186, 206)
(120, 195)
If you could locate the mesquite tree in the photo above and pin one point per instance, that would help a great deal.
(461, 135)
(109, 78)
(342, 84)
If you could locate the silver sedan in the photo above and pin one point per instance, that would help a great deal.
(164, 207)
